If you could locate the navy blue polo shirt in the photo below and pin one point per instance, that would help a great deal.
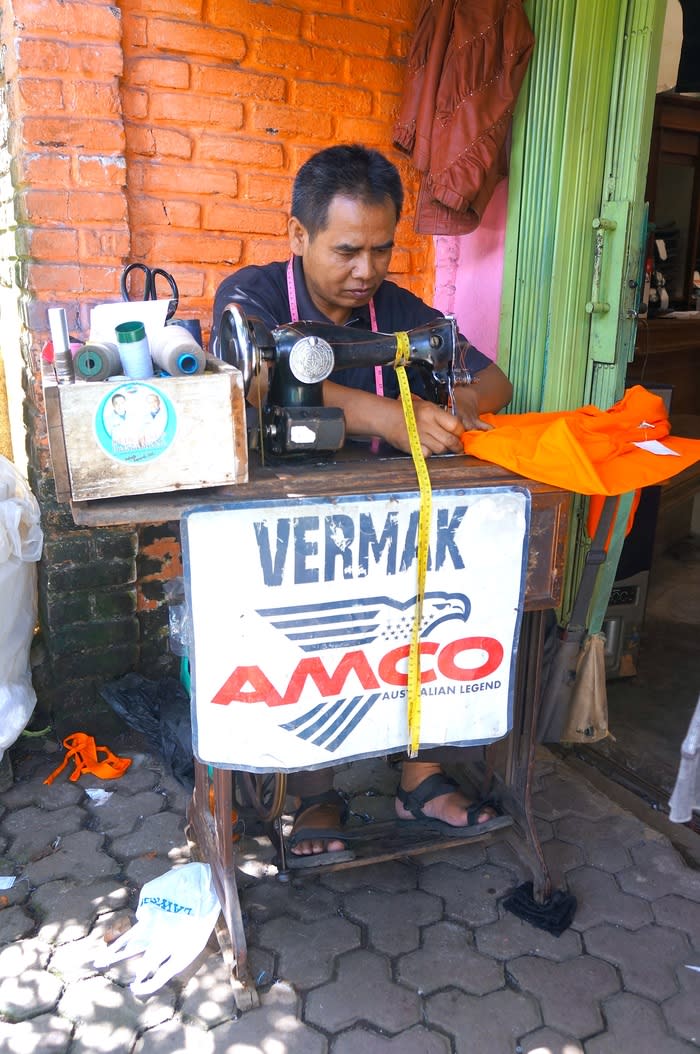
(262, 292)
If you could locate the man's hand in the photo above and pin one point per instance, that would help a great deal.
(438, 429)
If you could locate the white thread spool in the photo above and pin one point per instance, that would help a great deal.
(134, 351)
(176, 352)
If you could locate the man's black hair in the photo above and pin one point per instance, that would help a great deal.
(352, 171)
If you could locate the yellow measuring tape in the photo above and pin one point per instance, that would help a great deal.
(403, 351)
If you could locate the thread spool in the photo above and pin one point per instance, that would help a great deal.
(97, 361)
(134, 352)
(176, 352)
(62, 355)
(192, 324)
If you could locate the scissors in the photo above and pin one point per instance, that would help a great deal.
(150, 292)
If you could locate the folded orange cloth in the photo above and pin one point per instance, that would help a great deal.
(82, 749)
(588, 451)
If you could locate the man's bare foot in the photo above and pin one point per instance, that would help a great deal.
(324, 817)
(451, 807)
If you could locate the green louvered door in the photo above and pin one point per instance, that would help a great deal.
(575, 207)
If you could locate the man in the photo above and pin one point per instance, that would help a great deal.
(346, 203)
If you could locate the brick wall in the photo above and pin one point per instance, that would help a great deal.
(167, 132)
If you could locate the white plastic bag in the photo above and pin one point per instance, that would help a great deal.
(21, 541)
(177, 912)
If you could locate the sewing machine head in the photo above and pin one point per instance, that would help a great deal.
(300, 356)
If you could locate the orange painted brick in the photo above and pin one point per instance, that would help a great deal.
(208, 80)
(387, 108)
(189, 110)
(292, 121)
(147, 212)
(100, 61)
(160, 73)
(366, 130)
(96, 207)
(327, 98)
(102, 171)
(134, 33)
(253, 17)
(349, 35)
(54, 278)
(188, 179)
(42, 206)
(229, 149)
(107, 136)
(264, 188)
(260, 251)
(196, 40)
(75, 20)
(376, 74)
(186, 9)
(234, 218)
(401, 43)
(40, 95)
(385, 10)
(159, 142)
(100, 281)
(303, 60)
(103, 245)
(48, 244)
(134, 104)
(92, 99)
(46, 169)
(179, 247)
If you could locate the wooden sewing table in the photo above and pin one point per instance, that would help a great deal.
(506, 767)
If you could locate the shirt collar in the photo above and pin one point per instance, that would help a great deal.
(308, 312)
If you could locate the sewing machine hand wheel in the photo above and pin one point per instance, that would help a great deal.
(237, 344)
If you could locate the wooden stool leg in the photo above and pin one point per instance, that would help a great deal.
(212, 841)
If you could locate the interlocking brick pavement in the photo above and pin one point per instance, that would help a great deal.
(410, 956)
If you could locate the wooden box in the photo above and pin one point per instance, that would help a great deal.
(125, 437)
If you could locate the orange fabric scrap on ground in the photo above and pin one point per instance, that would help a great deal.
(84, 752)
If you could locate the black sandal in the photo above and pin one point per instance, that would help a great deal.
(434, 787)
(305, 834)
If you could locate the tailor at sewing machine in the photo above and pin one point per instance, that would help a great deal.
(299, 356)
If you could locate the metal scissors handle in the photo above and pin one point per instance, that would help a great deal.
(150, 292)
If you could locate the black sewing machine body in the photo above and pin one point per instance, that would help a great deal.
(300, 356)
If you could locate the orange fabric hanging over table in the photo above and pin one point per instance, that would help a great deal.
(588, 451)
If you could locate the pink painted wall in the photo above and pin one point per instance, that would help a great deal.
(469, 275)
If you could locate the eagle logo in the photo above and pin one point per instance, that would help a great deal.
(354, 623)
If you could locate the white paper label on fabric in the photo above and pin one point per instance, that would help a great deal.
(655, 447)
(302, 613)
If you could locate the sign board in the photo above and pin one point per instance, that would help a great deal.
(302, 614)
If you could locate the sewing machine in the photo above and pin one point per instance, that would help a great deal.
(300, 356)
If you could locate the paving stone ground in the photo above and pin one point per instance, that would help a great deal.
(413, 956)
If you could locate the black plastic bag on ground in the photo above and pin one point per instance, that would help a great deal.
(160, 711)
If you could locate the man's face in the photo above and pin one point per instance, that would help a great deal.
(345, 264)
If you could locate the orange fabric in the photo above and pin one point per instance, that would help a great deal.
(82, 749)
(595, 508)
(589, 451)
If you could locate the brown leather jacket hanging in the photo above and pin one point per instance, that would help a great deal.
(466, 65)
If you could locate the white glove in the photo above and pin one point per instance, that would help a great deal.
(175, 917)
